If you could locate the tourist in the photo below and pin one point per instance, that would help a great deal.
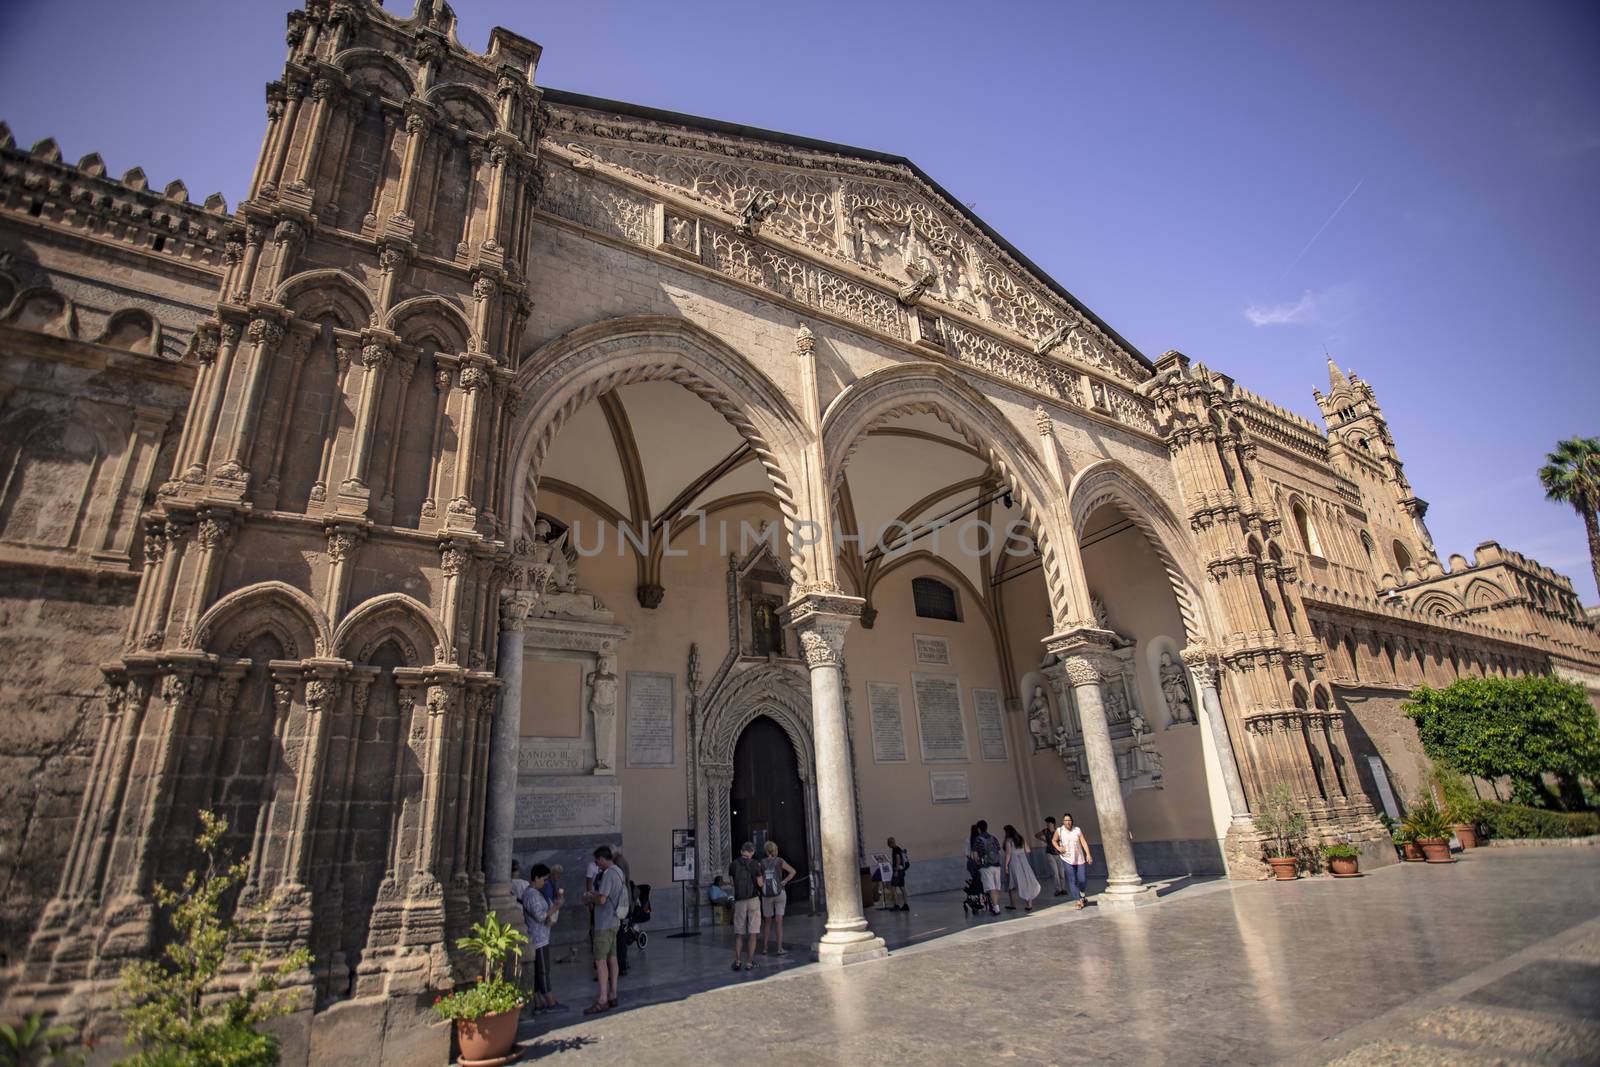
(776, 874)
(1076, 857)
(552, 885)
(986, 854)
(621, 862)
(1048, 836)
(539, 915)
(519, 884)
(899, 861)
(745, 873)
(1023, 882)
(608, 900)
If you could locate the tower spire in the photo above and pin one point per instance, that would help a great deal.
(1336, 378)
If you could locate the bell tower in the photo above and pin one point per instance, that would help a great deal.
(1362, 448)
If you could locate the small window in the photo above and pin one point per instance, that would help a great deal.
(1307, 532)
(934, 600)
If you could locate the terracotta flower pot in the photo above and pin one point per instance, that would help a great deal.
(1284, 868)
(1344, 868)
(1413, 852)
(487, 1040)
(1467, 834)
(1436, 850)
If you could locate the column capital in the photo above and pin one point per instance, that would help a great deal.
(1203, 662)
(822, 618)
(1079, 641)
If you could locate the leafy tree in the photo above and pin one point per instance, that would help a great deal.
(175, 1008)
(1571, 475)
(1521, 728)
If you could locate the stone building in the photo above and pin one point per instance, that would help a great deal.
(515, 471)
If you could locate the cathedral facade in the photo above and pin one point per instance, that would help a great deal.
(515, 471)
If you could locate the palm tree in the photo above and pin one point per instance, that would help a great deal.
(1571, 475)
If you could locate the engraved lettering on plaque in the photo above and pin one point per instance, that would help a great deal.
(940, 724)
(650, 719)
(987, 707)
(888, 725)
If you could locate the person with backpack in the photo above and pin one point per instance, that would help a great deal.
(609, 899)
(899, 863)
(745, 874)
(986, 854)
(1048, 836)
(1076, 857)
(776, 874)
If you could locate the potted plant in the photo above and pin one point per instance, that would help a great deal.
(1463, 817)
(1279, 821)
(1344, 860)
(486, 1014)
(1431, 829)
(1462, 807)
(1406, 842)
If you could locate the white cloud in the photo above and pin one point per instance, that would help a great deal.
(1303, 310)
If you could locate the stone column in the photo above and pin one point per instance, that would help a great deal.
(1203, 669)
(500, 813)
(1079, 665)
(822, 620)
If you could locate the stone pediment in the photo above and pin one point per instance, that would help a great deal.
(875, 215)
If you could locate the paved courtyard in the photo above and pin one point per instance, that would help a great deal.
(1495, 959)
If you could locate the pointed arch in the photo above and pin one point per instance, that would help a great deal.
(315, 293)
(391, 617)
(412, 318)
(275, 608)
(565, 374)
(927, 388)
(1110, 482)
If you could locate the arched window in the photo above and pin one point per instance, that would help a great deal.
(934, 599)
(1366, 545)
(1402, 558)
(1307, 532)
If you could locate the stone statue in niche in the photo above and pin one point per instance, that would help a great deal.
(564, 599)
(1175, 690)
(1116, 704)
(766, 626)
(1103, 620)
(1039, 718)
(602, 683)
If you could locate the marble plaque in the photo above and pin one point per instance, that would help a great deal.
(542, 755)
(931, 649)
(989, 711)
(650, 719)
(550, 813)
(949, 787)
(940, 725)
(888, 725)
(552, 697)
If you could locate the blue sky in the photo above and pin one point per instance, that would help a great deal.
(1412, 186)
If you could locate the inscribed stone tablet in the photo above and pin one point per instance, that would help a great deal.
(558, 813)
(888, 726)
(650, 719)
(939, 722)
(986, 707)
(949, 787)
(931, 649)
(552, 697)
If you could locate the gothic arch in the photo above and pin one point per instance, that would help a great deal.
(314, 293)
(926, 388)
(1109, 482)
(390, 617)
(383, 73)
(432, 314)
(565, 374)
(1482, 592)
(781, 695)
(464, 105)
(1437, 602)
(275, 608)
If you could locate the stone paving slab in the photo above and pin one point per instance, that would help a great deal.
(1372, 970)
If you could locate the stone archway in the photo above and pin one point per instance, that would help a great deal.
(782, 695)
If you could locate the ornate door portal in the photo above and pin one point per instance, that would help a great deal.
(767, 802)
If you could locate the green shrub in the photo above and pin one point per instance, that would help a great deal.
(1341, 852)
(1519, 820)
(31, 1043)
(498, 943)
(1426, 822)
(1279, 820)
(175, 1010)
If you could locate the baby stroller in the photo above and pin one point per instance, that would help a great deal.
(637, 916)
(973, 902)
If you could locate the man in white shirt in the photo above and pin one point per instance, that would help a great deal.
(1075, 857)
